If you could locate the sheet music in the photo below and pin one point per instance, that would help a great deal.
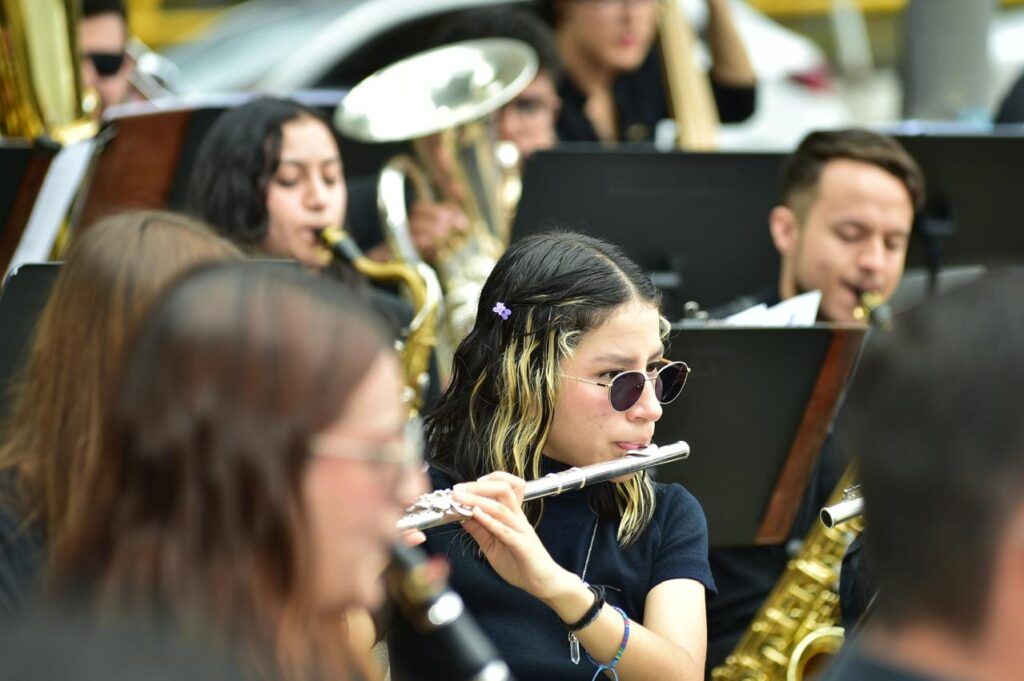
(52, 204)
(800, 310)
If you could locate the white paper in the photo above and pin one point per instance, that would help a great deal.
(800, 310)
(62, 181)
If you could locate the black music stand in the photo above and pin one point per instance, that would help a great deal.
(23, 165)
(697, 221)
(22, 298)
(756, 411)
(975, 208)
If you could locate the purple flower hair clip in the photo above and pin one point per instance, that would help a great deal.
(502, 311)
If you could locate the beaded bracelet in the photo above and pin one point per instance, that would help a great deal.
(618, 653)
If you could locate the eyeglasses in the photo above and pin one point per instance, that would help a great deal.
(625, 388)
(401, 453)
(528, 106)
(106, 63)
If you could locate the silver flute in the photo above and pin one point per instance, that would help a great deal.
(438, 508)
(847, 508)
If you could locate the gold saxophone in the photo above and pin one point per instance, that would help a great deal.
(443, 101)
(424, 293)
(797, 621)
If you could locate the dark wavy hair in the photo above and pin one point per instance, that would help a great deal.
(235, 163)
(499, 406)
(199, 516)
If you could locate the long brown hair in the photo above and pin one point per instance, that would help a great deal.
(198, 514)
(112, 272)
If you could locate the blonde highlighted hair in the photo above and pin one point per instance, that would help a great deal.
(497, 412)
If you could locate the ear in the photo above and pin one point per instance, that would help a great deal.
(785, 229)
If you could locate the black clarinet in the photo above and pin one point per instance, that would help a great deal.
(451, 646)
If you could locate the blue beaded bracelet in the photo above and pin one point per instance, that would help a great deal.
(618, 653)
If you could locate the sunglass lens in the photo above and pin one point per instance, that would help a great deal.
(106, 63)
(626, 390)
(670, 381)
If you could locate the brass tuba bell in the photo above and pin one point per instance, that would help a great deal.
(443, 101)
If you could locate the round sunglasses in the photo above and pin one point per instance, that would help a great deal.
(625, 388)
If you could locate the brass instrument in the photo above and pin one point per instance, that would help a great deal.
(689, 92)
(803, 602)
(438, 508)
(424, 292)
(40, 85)
(443, 101)
(849, 507)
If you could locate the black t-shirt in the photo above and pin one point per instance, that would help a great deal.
(21, 549)
(527, 633)
(853, 664)
(641, 102)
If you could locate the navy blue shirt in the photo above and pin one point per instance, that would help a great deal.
(527, 633)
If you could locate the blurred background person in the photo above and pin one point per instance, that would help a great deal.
(528, 121)
(613, 89)
(934, 418)
(51, 443)
(102, 38)
(259, 457)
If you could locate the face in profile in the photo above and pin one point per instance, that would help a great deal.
(361, 476)
(306, 193)
(104, 65)
(853, 239)
(586, 428)
(611, 34)
(528, 121)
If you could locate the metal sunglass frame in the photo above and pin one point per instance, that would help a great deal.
(684, 373)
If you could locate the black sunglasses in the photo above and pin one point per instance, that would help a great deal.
(625, 389)
(106, 63)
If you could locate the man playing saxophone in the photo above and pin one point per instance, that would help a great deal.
(842, 227)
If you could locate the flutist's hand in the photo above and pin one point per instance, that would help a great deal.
(506, 537)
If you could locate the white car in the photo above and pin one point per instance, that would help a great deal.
(282, 47)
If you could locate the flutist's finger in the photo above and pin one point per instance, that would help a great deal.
(512, 517)
(499, 489)
(517, 484)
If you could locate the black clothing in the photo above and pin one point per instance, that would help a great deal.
(21, 550)
(527, 633)
(853, 664)
(641, 102)
(856, 585)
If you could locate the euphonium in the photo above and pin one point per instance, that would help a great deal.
(424, 293)
(40, 86)
(443, 101)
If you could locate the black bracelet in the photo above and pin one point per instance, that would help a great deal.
(591, 614)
